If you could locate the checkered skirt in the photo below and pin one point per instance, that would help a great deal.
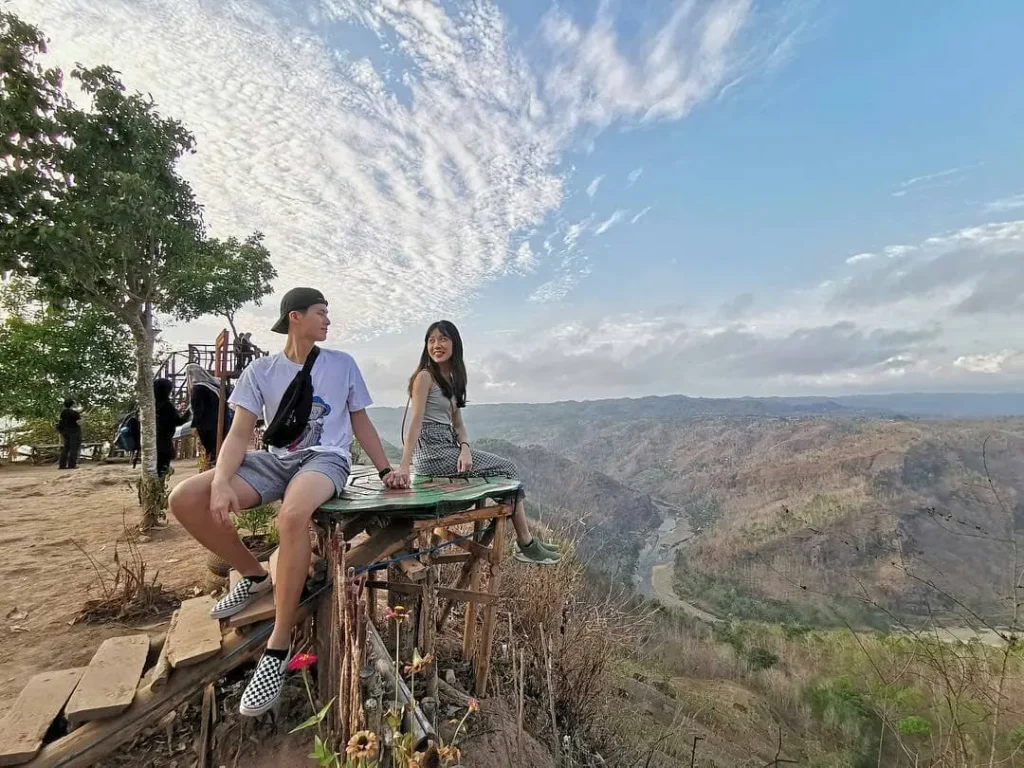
(437, 455)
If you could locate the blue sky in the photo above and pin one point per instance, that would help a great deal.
(707, 198)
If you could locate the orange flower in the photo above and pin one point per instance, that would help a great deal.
(419, 663)
(301, 661)
(362, 745)
(397, 613)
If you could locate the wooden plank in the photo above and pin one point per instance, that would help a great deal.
(358, 540)
(467, 545)
(497, 511)
(194, 635)
(463, 578)
(23, 728)
(469, 625)
(108, 685)
(263, 608)
(413, 569)
(447, 559)
(382, 544)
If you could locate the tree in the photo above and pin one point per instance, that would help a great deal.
(122, 232)
(49, 352)
(233, 273)
(29, 132)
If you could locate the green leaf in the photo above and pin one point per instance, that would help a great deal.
(313, 719)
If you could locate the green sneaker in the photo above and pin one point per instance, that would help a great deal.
(535, 554)
(554, 549)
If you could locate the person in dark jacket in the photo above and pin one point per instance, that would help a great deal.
(70, 435)
(167, 422)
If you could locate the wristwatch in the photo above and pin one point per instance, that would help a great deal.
(384, 472)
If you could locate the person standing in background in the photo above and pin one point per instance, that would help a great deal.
(167, 422)
(70, 432)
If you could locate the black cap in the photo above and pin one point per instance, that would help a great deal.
(296, 300)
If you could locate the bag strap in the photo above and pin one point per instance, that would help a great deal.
(314, 353)
(402, 434)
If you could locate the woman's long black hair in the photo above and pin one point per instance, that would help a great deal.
(456, 386)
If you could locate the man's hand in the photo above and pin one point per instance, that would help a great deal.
(397, 478)
(465, 459)
(223, 503)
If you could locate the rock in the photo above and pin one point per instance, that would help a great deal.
(449, 677)
(144, 539)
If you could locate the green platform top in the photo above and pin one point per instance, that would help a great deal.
(427, 497)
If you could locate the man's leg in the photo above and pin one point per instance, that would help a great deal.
(190, 504)
(306, 492)
(63, 464)
(74, 449)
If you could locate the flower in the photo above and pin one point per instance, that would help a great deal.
(301, 661)
(362, 745)
(419, 663)
(474, 705)
(397, 613)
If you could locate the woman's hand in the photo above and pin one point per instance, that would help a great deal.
(465, 459)
(398, 478)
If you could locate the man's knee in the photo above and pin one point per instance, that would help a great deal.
(187, 498)
(293, 518)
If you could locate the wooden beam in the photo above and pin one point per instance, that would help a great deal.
(382, 544)
(262, 608)
(413, 569)
(500, 510)
(469, 626)
(447, 559)
(463, 579)
(27, 721)
(462, 595)
(482, 666)
(418, 724)
(469, 545)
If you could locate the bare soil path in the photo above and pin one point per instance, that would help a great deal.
(45, 578)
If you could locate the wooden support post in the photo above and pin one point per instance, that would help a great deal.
(410, 600)
(482, 666)
(463, 579)
(469, 628)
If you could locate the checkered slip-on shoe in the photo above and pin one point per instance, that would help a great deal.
(264, 689)
(243, 593)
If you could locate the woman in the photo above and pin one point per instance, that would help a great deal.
(167, 422)
(437, 444)
(70, 432)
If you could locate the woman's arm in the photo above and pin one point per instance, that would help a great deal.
(465, 454)
(420, 388)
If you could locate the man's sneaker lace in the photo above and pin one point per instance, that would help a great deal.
(240, 595)
(264, 689)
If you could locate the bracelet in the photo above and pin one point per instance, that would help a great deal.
(463, 442)
(384, 472)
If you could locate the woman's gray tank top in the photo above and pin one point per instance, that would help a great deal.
(438, 408)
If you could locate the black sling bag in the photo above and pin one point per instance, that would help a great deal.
(296, 404)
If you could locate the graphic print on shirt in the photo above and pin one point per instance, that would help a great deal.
(315, 428)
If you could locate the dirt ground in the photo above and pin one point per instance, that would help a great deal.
(45, 516)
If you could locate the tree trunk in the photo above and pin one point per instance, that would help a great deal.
(151, 487)
(230, 316)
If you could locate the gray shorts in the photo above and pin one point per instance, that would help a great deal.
(269, 475)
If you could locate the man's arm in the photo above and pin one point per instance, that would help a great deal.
(232, 451)
(368, 438)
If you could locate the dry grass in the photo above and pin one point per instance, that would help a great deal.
(128, 593)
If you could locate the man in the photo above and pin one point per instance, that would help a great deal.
(70, 435)
(305, 473)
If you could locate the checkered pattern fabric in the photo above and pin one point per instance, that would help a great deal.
(265, 687)
(243, 593)
(437, 455)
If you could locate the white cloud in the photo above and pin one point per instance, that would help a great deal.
(593, 185)
(399, 179)
(937, 179)
(992, 362)
(610, 222)
(634, 176)
(859, 257)
(1012, 203)
(640, 215)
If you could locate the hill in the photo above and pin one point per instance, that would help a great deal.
(608, 520)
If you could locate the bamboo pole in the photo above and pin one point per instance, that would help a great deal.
(418, 724)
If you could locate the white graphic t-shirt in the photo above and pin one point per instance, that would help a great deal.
(338, 389)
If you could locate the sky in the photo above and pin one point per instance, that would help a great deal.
(613, 199)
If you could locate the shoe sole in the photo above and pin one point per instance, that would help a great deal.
(247, 712)
(227, 613)
(531, 561)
